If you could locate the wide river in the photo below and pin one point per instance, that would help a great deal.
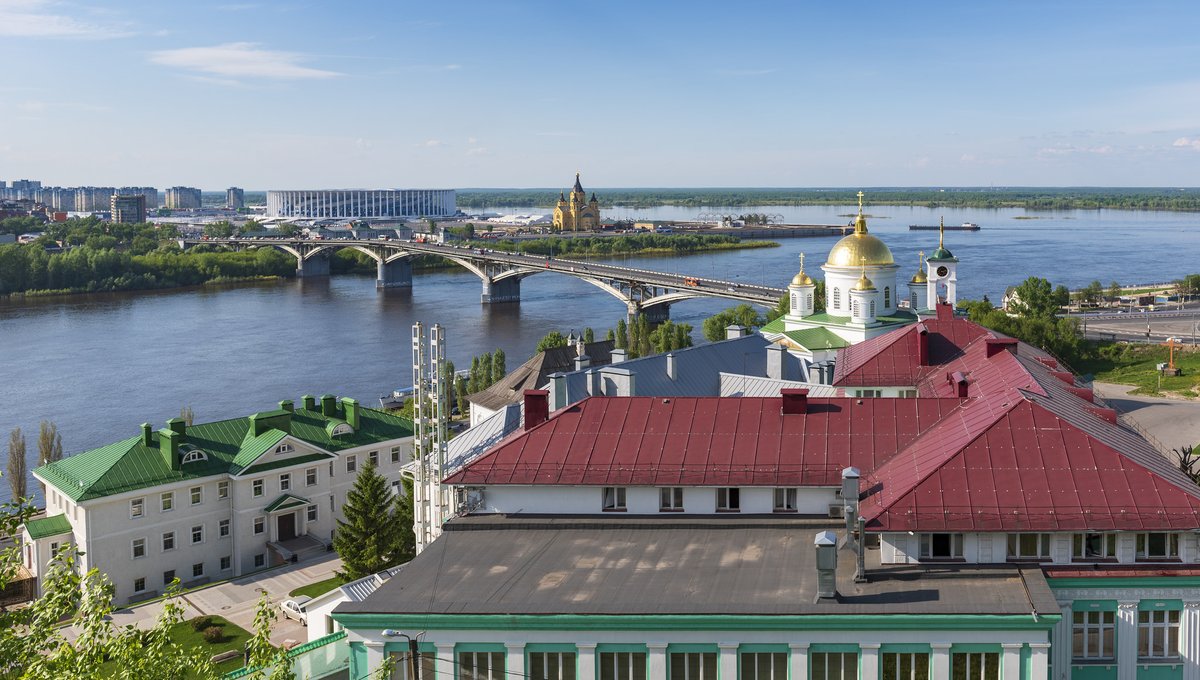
(98, 365)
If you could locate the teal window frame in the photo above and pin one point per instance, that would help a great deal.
(549, 648)
(835, 649)
(694, 649)
(480, 648)
(764, 649)
(620, 648)
(907, 648)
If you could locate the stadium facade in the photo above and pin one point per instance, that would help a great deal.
(359, 203)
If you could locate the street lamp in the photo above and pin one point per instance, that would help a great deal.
(414, 655)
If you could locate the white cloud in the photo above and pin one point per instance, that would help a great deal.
(241, 60)
(1188, 142)
(40, 19)
(431, 143)
(477, 151)
(471, 140)
(1070, 149)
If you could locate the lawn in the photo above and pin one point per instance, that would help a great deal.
(234, 637)
(318, 588)
(1129, 364)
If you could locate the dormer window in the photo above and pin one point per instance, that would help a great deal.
(192, 454)
(341, 429)
(284, 448)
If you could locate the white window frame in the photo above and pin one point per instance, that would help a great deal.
(351, 464)
(1159, 630)
(260, 525)
(395, 454)
(1015, 549)
(168, 577)
(840, 672)
(613, 499)
(223, 528)
(1079, 547)
(196, 495)
(896, 669)
(199, 528)
(976, 665)
(257, 488)
(166, 501)
(310, 477)
(1170, 539)
(956, 546)
(222, 490)
(708, 665)
(752, 665)
(670, 499)
(194, 456)
(1095, 628)
(495, 665)
(373, 457)
(785, 499)
(201, 574)
(260, 560)
(139, 588)
(285, 481)
(137, 508)
(226, 563)
(168, 536)
(552, 664)
(729, 499)
(135, 545)
(284, 448)
(313, 512)
(625, 665)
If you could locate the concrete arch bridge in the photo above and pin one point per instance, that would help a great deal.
(643, 291)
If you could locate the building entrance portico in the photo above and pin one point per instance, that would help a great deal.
(286, 519)
(286, 526)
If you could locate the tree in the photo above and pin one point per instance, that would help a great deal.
(499, 370)
(1188, 461)
(671, 336)
(551, 340)
(218, 230)
(18, 472)
(49, 443)
(1114, 291)
(621, 336)
(1061, 296)
(1093, 292)
(469, 231)
(404, 517)
(742, 315)
(589, 335)
(473, 376)
(286, 230)
(188, 415)
(611, 336)
(1035, 299)
(369, 538)
(460, 393)
(644, 348)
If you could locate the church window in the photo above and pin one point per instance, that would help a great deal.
(913, 301)
(854, 307)
(872, 308)
(809, 298)
(887, 297)
(795, 302)
(837, 298)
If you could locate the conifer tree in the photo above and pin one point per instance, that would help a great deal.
(621, 337)
(485, 369)
(369, 538)
(473, 376)
(499, 370)
(589, 335)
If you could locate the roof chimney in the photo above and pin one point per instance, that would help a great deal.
(309, 402)
(1084, 393)
(960, 381)
(147, 435)
(850, 482)
(618, 355)
(328, 405)
(287, 405)
(734, 331)
(168, 447)
(178, 426)
(775, 362)
(1065, 376)
(826, 546)
(1104, 413)
(537, 408)
(922, 345)
(997, 345)
(582, 361)
(352, 413)
(1048, 362)
(945, 312)
(558, 391)
(794, 400)
(671, 368)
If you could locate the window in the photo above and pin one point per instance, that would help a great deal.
(1094, 546)
(197, 494)
(834, 665)
(310, 477)
(138, 548)
(53, 549)
(1093, 634)
(222, 490)
(260, 524)
(941, 546)
(139, 585)
(912, 301)
(168, 577)
(481, 666)
(764, 666)
(1158, 635)
(975, 666)
(223, 529)
(905, 666)
(808, 299)
(283, 448)
(872, 308)
(837, 298)
(312, 513)
(198, 534)
(168, 541)
(614, 498)
(285, 481)
(399, 660)
(729, 499)
(795, 304)
(194, 456)
(785, 500)
(670, 499)
(887, 297)
(552, 665)
(622, 666)
(873, 394)
(256, 488)
(351, 464)
(1158, 546)
(198, 570)
(331, 469)
(1029, 546)
(260, 560)
(907, 394)
(395, 454)
(167, 501)
(854, 308)
(693, 666)
(374, 458)
(137, 508)
(226, 563)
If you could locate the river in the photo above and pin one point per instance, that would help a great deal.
(99, 365)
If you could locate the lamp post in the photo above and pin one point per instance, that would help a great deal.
(414, 655)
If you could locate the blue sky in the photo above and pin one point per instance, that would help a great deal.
(523, 94)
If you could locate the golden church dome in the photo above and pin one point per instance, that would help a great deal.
(802, 279)
(920, 277)
(860, 248)
(864, 283)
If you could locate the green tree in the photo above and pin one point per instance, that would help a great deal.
(218, 230)
(621, 335)
(1035, 299)
(499, 369)
(18, 473)
(1093, 292)
(187, 415)
(473, 376)
(469, 231)
(551, 340)
(460, 392)
(287, 230)
(369, 538)
(589, 335)
(742, 315)
(611, 335)
(1061, 297)
(1114, 291)
(669, 336)
(404, 517)
(49, 443)
(485, 371)
(644, 348)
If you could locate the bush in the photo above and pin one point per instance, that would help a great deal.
(201, 622)
(213, 635)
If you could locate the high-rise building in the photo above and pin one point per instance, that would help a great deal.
(235, 198)
(150, 193)
(182, 198)
(128, 208)
(23, 188)
(93, 198)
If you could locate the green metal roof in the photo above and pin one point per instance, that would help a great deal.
(942, 255)
(284, 502)
(45, 527)
(231, 446)
(816, 338)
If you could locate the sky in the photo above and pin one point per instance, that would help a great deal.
(507, 93)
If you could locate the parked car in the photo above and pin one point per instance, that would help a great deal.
(296, 609)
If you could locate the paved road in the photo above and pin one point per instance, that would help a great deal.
(1174, 422)
(235, 600)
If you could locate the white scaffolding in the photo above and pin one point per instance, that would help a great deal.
(431, 500)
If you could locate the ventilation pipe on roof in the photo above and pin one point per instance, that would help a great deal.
(168, 447)
(734, 331)
(309, 402)
(959, 380)
(922, 345)
(1104, 413)
(147, 434)
(860, 566)
(775, 354)
(178, 426)
(352, 412)
(582, 361)
(995, 346)
(825, 543)
(287, 405)
(617, 356)
(537, 408)
(328, 405)
(795, 401)
(1084, 393)
(850, 481)
(672, 372)
(558, 391)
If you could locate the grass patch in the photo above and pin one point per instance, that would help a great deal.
(1129, 364)
(184, 634)
(318, 588)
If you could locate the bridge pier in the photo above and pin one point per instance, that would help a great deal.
(504, 290)
(315, 265)
(655, 314)
(394, 274)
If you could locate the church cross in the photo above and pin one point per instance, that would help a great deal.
(860, 197)
(801, 261)
(1172, 344)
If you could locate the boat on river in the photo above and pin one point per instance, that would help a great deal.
(965, 226)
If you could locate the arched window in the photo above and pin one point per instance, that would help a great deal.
(872, 308)
(794, 303)
(809, 298)
(854, 308)
(887, 297)
(912, 303)
(837, 298)
(194, 456)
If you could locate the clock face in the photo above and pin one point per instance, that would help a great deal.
(942, 271)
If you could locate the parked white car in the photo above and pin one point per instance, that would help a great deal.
(296, 609)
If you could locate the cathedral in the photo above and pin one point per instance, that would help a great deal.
(577, 213)
(864, 298)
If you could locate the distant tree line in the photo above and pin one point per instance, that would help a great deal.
(631, 243)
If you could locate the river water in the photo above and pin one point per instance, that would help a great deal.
(99, 365)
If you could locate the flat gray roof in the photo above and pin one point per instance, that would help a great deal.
(654, 565)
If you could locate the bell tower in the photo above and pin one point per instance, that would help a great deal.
(941, 274)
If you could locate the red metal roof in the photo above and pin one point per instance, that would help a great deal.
(707, 441)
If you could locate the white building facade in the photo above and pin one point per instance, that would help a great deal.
(355, 203)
